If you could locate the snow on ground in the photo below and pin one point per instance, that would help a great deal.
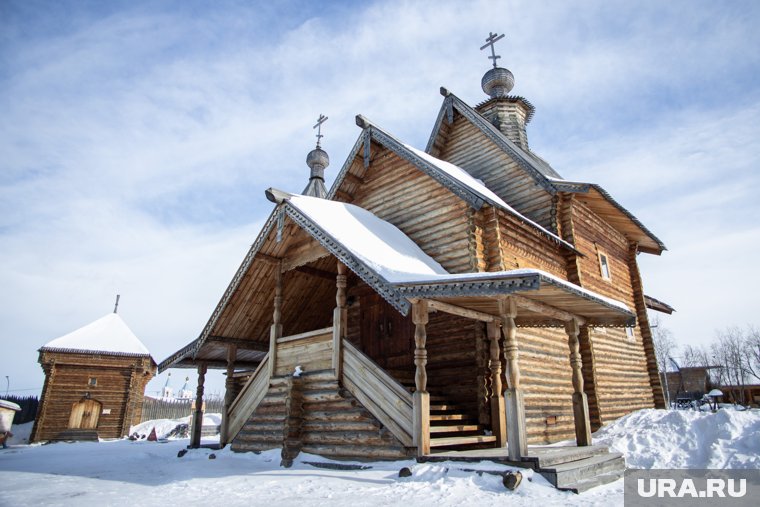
(138, 473)
(686, 438)
(165, 427)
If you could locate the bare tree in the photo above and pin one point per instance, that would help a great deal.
(752, 344)
(664, 345)
(734, 350)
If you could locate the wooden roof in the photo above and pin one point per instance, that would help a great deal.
(303, 250)
(598, 199)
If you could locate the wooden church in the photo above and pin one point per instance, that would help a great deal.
(461, 298)
(95, 378)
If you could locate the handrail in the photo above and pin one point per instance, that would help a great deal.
(303, 336)
(248, 399)
(380, 393)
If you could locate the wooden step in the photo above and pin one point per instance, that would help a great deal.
(457, 441)
(547, 457)
(567, 474)
(599, 480)
(451, 417)
(450, 428)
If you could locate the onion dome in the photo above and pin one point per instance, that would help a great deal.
(497, 82)
(317, 160)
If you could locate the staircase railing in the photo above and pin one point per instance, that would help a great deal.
(380, 393)
(248, 399)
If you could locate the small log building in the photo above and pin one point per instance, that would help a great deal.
(464, 296)
(95, 378)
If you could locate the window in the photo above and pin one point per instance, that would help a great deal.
(92, 381)
(629, 333)
(604, 266)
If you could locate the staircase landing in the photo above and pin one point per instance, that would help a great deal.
(568, 468)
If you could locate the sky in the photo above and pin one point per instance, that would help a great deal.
(137, 139)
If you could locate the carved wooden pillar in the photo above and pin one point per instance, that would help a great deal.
(498, 413)
(229, 394)
(580, 401)
(513, 396)
(421, 398)
(276, 329)
(340, 319)
(195, 438)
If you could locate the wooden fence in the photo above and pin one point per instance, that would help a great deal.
(154, 408)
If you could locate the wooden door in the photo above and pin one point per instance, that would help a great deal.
(85, 415)
(386, 335)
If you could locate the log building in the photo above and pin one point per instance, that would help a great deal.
(95, 378)
(464, 296)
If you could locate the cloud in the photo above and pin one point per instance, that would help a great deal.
(137, 138)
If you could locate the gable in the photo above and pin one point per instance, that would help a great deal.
(524, 180)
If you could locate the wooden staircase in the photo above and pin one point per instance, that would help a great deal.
(453, 423)
(334, 424)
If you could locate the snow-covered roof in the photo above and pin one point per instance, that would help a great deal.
(477, 186)
(107, 334)
(9, 405)
(380, 245)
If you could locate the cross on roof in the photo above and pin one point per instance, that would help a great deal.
(492, 38)
(322, 118)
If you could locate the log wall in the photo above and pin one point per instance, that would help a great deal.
(433, 217)
(311, 353)
(121, 382)
(546, 379)
(467, 147)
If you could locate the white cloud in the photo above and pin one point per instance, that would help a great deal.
(136, 144)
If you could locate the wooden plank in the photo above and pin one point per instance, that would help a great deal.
(327, 332)
(462, 312)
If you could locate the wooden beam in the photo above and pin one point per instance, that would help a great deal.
(240, 343)
(267, 258)
(341, 194)
(462, 312)
(544, 309)
(303, 254)
(354, 179)
(319, 273)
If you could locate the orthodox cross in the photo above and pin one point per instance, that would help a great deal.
(492, 38)
(116, 306)
(322, 118)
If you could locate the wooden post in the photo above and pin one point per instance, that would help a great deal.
(513, 396)
(498, 413)
(340, 317)
(229, 394)
(580, 401)
(276, 330)
(421, 434)
(195, 438)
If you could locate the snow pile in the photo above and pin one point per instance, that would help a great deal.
(172, 428)
(685, 439)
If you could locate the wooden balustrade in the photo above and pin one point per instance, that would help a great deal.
(380, 393)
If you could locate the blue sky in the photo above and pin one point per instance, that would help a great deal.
(136, 139)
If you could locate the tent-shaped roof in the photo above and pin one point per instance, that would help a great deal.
(108, 334)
